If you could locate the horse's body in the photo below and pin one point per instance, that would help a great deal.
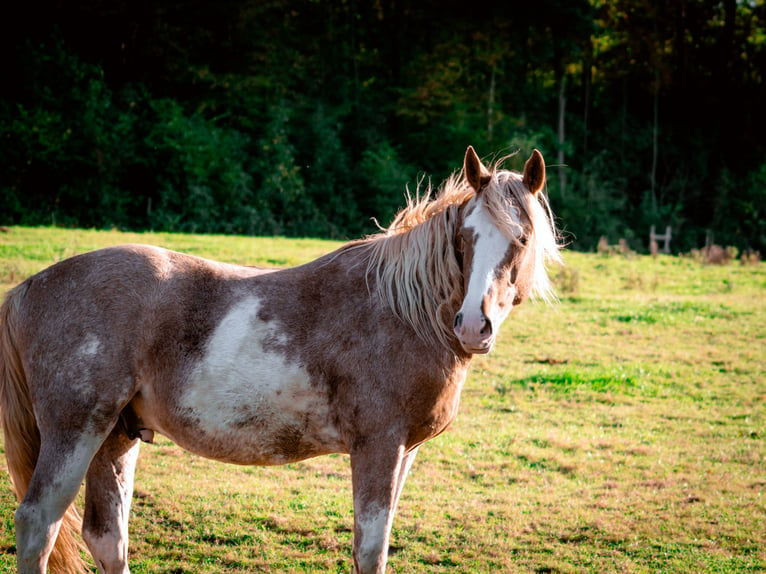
(363, 351)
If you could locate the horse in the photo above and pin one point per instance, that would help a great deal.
(363, 351)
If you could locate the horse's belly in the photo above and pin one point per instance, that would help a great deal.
(247, 400)
(268, 423)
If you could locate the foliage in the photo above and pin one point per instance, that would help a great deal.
(389, 177)
(593, 206)
(250, 117)
(204, 186)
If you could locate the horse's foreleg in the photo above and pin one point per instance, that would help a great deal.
(108, 493)
(378, 475)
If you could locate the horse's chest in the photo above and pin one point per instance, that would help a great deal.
(250, 401)
(432, 411)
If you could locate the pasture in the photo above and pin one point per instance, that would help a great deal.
(620, 430)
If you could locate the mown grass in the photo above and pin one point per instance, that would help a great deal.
(621, 430)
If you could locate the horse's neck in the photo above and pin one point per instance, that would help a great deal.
(348, 271)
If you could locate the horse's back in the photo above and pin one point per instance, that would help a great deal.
(123, 281)
(108, 292)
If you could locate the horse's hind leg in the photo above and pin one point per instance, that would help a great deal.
(60, 468)
(108, 493)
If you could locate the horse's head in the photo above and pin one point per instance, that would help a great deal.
(503, 247)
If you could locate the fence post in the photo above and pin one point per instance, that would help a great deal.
(667, 240)
(654, 237)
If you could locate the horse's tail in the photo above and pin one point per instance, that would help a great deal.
(22, 436)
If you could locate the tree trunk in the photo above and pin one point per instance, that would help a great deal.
(586, 81)
(624, 119)
(655, 142)
(491, 105)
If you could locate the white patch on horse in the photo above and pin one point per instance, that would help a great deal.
(489, 250)
(254, 397)
(110, 548)
(78, 368)
(36, 520)
(374, 539)
(70, 473)
(90, 347)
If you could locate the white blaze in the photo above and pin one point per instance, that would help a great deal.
(488, 252)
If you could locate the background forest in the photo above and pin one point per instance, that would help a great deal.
(307, 118)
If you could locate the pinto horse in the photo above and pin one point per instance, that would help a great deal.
(363, 351)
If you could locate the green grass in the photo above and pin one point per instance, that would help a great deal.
(621, 430)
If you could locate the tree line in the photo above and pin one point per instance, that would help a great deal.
(309, 117)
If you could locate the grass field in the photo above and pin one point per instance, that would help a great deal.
(620, 430)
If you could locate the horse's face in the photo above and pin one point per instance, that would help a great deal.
(493, 260)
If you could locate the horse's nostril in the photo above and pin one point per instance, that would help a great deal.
(458, 320)
(486, 330)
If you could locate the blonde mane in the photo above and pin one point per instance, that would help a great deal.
(542, 245)
(414, 262)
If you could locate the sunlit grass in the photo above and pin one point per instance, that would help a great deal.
(620, 430)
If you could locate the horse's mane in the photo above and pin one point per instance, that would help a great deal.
(414, 262)
(542, 243)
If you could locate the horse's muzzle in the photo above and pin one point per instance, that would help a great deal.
(475, 334)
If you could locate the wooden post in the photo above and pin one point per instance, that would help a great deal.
(655, 237)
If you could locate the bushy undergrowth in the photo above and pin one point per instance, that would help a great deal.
(309, 150)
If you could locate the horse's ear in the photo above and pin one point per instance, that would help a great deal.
(475, 172)
(534, 172)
